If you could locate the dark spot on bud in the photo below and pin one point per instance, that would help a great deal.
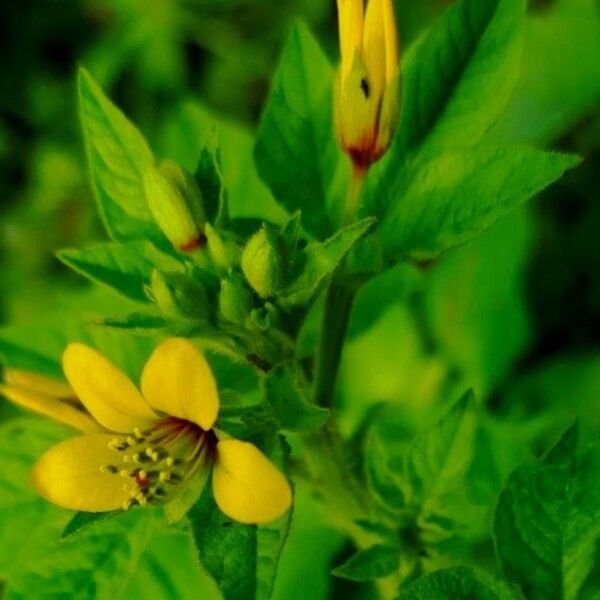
(364, 86)
(195, 244)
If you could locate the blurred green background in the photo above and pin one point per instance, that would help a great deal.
(515, 315)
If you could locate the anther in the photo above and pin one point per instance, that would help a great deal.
(118, 445)
(109, 469)
(141, 499)
(138, 434)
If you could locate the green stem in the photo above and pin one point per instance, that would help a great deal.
(336, 317)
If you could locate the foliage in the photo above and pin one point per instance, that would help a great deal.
(374, 333)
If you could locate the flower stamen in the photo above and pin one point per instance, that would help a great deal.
(176, 450)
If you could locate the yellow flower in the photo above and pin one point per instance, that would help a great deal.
(157, 446)
(367, 92)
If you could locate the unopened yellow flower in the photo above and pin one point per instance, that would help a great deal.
(367, 93)
(47, 396)
(155, 446)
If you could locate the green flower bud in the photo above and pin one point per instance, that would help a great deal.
(263, 261)
(179, 296)
(235, 301)
(223, 252)
(175, 202)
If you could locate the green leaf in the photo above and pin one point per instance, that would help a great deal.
(459, 77)
(556, 93)
(118, 155)
(287, 396)
(83, 520)
(33, 560)
(127, 267)
(24, 516)
(227, 549)
(169, 569)
(147, 324)
(457, 583)
(447, 200)
(208, 175)
(370, 564)
(319, 261)
(386, 484)
(242, 559)
(95, 565)
(438, 459)
(547, 521)
(296, 152)
(39, 347)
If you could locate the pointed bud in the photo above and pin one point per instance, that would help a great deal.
(263, 261)
(179, 296)
(223, 252)
(176, 204)
(235, 301)
(367, 95)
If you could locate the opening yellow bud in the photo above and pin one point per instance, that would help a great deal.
(367, 98)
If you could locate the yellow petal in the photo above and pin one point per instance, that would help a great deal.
(391, 41)
(59, 410)
(358, 111)
(69, 474)
(350, 21)
(374, 48)
(178, 381)
(106, 392)
(247, 486)
(39, 383)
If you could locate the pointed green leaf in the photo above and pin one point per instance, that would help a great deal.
(81, 521)
(547, 521)
(242, 559)
(459, 77)
(127, 268)
(118, 155)
(320, 260)
(439, 457)
(296, 152)
(370, 564)
(286, 395)
(209, 177)
(147, 324)
(457, 583)
(447, 200)
(385, 483)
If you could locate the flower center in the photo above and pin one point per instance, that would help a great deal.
(157, 462)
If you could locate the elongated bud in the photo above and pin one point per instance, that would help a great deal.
(235, 301)
(223, 252)
(175, 202)
(263, 261)
(367, 94)
(179, 296)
